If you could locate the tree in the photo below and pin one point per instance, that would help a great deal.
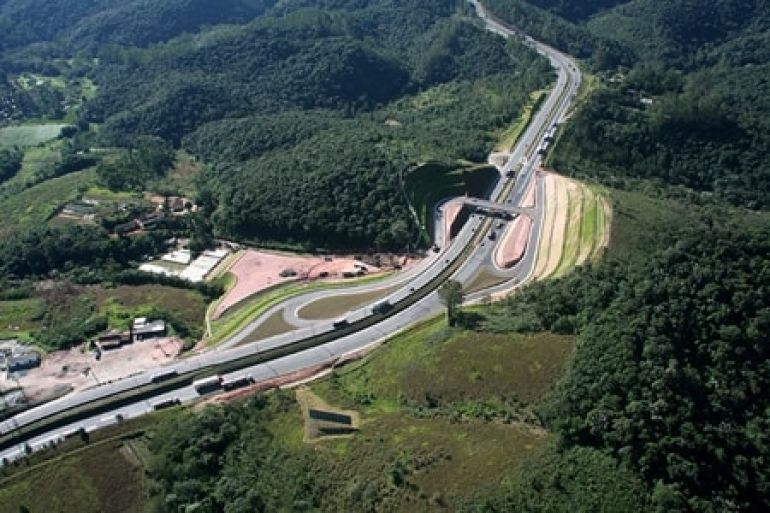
(451, 294)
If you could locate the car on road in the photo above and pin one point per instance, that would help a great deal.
(340, 323)
(382, 307)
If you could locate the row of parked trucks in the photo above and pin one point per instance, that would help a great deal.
(202, 386)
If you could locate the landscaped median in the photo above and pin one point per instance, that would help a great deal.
(238, 317)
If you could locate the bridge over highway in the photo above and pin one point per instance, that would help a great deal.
(497, 209)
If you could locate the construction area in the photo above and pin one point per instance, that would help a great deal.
(62, 372)
(256, 271)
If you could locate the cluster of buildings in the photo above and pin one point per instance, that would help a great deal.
(141, 329)
(183, 266)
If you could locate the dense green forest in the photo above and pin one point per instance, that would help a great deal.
(86, 24)
(688, 105)
(309, 94)
(304, 114)
(10, 163)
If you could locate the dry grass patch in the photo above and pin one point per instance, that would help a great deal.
(270, 327)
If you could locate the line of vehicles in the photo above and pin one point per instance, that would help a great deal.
(206, 386)
(548, 138)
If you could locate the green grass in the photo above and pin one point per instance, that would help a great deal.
(35, 205)
(28, 135)
(451, 366)
(572, 238)
(123, 303)
(238, 316)
(38, 162)
(180, 180)
(451, 450)
(437, 460)
(24, 314)
(512, 133)
(336, 306)
(273, 325)
(58, 306)
(102, 194)
(430, 183)
(641, 223)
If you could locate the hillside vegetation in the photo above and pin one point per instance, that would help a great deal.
(689, 105)
(304, 113)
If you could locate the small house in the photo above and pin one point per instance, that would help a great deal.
(113, 340)
(142, 329)
(23, 362)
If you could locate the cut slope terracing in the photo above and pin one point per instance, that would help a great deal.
(575, 226)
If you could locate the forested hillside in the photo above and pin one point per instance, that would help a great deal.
(673, 322)
(303, 114)
(308, 95)
(85, 24)
(689, 104)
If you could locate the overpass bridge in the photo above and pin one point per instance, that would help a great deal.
(496, 209)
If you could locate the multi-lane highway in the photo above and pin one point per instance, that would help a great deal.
(412, 294)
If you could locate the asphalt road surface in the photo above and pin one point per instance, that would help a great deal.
(507, 191)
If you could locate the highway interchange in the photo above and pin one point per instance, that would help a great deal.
(468, 252)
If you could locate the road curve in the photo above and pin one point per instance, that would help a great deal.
(470, 247)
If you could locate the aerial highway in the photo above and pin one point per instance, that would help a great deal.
(411, 296)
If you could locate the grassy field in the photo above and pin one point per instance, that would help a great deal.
(273, 325)
(28, 135)
(123, 303)
(337, 306)
(466, 379)
(180, 180)
(58, 305)
(34, 206)
(38, 161)
(435, 364)
(512, 133)
(102, 194)
(21, 316)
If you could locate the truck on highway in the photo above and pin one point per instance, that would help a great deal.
(163, 376)
(167, 403)
(207, 385)
(236, 383)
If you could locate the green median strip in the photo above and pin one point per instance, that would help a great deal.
(251, 308)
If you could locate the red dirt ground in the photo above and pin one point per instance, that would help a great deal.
(451, 209)
(529, 199)
(79, 370)
(511, 248)
(258, 270)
